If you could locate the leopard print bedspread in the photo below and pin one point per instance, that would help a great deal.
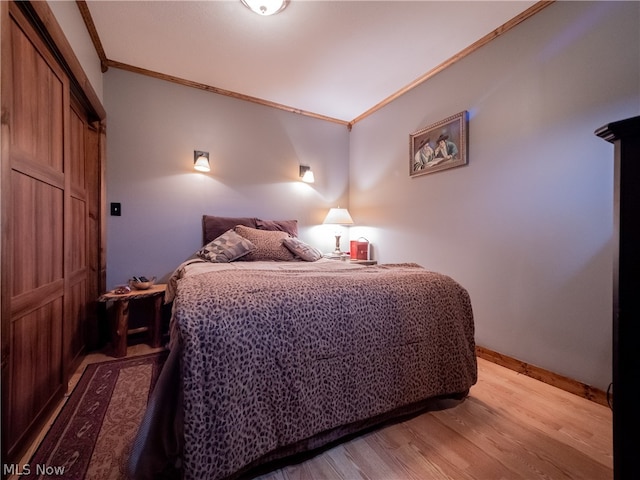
(273, 357)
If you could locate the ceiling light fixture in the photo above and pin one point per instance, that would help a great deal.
(265, 7)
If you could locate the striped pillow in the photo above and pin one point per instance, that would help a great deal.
(302, 250)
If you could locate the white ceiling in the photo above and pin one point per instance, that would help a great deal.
(329, 57)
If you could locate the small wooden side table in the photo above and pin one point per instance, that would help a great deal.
(120, 327)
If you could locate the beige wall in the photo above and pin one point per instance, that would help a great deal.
(526, 227)
(255, 152)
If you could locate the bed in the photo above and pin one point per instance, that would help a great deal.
(278, 351)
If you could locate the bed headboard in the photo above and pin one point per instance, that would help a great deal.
(214, 226)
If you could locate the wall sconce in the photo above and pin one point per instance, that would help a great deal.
(338, 216)
(201, 161)
(306, 174)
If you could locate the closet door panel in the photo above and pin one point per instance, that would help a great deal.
(77, 171)
(77, 259)
(96, 281)
(36, 367)
(38, 108)
(76, 291)
(37, 233)
(76, 263)
(76, 314)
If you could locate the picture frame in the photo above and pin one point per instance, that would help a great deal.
(439, 146)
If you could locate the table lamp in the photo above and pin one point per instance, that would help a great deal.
(338, 216)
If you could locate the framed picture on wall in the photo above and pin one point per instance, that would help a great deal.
(439, 146)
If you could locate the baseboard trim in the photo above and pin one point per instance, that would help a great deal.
(564, 383)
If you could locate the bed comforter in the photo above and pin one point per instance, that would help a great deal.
(271, 358)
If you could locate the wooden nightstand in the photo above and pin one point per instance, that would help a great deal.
(120, 326)
(365, 262)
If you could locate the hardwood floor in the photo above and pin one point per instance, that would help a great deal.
(510, 427)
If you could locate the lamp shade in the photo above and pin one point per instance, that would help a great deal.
(308, 177)
(201, 161)
(338, 216)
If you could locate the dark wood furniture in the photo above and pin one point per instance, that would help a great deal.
(153, 297)
(52, 245)
(625, 136)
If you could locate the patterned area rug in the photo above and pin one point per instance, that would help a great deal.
(92, 436)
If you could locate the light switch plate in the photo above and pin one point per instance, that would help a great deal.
(116, 209)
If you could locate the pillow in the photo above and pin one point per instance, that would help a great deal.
(268, 244)
(300, 249)
(213, 227)
(289, 226)
(226, 248)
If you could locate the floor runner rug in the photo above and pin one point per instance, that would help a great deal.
(92, 436)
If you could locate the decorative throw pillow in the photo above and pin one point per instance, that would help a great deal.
(268, 244)
(303, 250)
(226, 248)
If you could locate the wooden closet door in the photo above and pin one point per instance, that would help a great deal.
(33, 260)
(52, 136)
(76, 260)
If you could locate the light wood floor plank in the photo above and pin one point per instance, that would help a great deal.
(510, 427)
(580, 423)
(461, 454)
